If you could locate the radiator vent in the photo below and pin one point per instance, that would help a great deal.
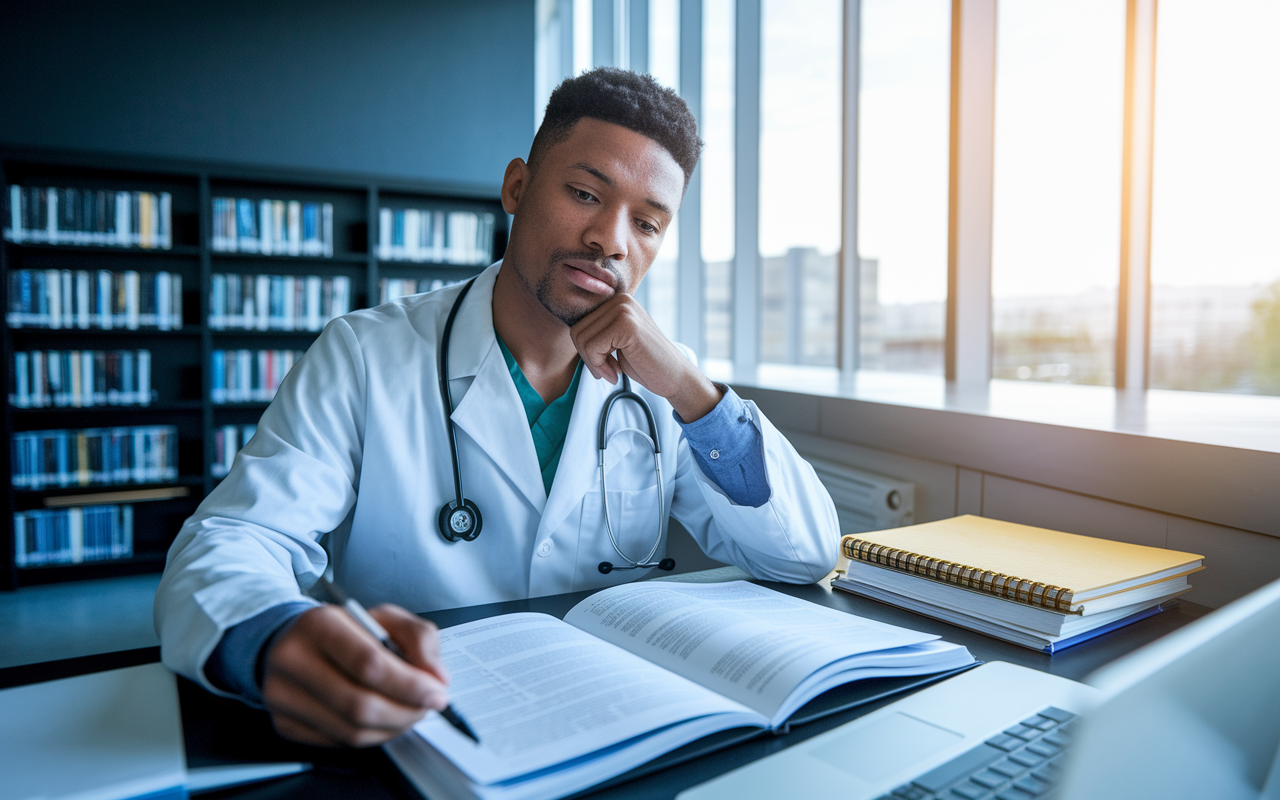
(864, 500)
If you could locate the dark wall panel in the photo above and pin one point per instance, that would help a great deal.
(432, 89)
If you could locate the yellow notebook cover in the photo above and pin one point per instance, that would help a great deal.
(1019, 562)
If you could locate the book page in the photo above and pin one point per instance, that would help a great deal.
(746, 642)
(539, 692)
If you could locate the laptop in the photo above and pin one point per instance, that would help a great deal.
(1193, 715)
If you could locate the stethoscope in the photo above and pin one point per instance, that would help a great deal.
(460, 518)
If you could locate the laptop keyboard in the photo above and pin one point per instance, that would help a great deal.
(1020, 763)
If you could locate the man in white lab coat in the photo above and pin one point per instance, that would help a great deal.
(351, 463)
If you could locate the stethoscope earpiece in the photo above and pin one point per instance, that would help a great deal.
(666, 564)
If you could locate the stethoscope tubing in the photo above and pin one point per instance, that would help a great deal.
(602, 441)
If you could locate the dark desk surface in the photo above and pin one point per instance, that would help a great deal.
(219, 730)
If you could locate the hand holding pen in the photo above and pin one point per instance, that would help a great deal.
(371, 625)
(327, 681)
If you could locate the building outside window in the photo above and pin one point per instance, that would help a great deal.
(1210, 313)
(800, 128)
(904, 124)
(1215, 262)
(1056, 221)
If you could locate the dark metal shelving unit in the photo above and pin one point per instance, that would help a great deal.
(181, 358)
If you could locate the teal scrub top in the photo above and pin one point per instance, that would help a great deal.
(548, 422)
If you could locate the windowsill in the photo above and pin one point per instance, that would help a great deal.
(1248, 422)
(1208, 457)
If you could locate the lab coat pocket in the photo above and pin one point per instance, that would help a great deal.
(631, 488)
(634, 517)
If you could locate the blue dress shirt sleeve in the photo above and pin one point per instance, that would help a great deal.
(236, 663)
(730, 450)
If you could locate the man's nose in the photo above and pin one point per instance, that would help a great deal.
(608, 233)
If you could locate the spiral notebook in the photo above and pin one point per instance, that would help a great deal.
(1065, 572)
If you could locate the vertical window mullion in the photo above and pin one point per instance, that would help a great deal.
(1133, 329)
(603, 36)
(690, 287)
(973, 50)
(636, 32)
(745, 337)
(848, 339)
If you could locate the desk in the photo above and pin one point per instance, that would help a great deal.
(219, 730)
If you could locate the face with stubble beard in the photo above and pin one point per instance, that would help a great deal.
(590, 216)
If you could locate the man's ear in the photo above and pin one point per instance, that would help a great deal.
(514, 184)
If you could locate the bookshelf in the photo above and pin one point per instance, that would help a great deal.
(271, 253)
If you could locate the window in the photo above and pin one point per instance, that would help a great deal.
(800, 129)
(664, 66)
(717, 174)
(1086, 283)
(1056, 221)
(1215, 261)
(904, 107)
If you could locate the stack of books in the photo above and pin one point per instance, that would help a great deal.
(81, 378)
(277, 302)
(133, 454)
(48, 215)
(443, 237)
(53, 298)
(249, 376)
(394, 288)
(272, 227)
(1035, 587)
(227, 441)
(72, 535)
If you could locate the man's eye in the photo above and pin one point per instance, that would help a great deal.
(646, 227)
(584, 195)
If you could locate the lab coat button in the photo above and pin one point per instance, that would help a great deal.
(715, 454)
(545, 548)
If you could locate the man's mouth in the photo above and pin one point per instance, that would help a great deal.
(590, 276)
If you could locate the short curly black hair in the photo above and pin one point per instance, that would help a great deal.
(625, 98)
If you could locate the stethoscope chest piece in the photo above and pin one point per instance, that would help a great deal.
(460, 522)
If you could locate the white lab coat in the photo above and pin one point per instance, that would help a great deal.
(350, 466)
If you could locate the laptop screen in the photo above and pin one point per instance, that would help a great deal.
(1193, 715)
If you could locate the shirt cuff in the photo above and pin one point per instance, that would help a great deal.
(236, 663)
(728, 447)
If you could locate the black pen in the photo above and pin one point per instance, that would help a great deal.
(371, 625)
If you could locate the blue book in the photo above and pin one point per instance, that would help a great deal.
(1054, 647)
(218, 382)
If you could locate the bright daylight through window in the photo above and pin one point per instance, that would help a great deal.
(1068, 219)
(1215, 262)
(904, 122)
(717, 174)
(800, 108)
(1056, 221)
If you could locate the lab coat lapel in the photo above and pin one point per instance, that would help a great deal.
(579, 460)
(491, 412)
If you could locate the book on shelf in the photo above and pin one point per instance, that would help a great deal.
(1033, 586)
(72, 535)
(272, 227)
(638, 670)
(443, 237)
(277, 302)
(53, 298)
(81, 378)
(49, 215)
(94, 456)
(248, 376)
(394, 288)
(227, 441)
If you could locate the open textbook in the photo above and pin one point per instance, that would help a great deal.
(638, 670)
